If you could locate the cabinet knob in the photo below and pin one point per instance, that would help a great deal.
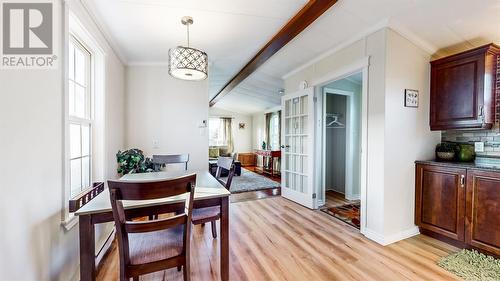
(462, 181)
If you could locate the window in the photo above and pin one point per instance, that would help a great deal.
(274, 132)
(80, 113)
(216, 132)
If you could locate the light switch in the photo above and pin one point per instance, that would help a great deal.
(479, 146)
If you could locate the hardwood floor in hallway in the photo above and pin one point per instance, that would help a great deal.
(334, 199)
(276, 239)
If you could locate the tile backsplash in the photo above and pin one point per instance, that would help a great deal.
(491, 139)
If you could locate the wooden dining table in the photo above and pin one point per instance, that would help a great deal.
(208, 193)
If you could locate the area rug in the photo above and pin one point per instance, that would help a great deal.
(250, 181)
(348, 213)
(472, 266)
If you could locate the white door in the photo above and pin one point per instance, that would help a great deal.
(297, 136)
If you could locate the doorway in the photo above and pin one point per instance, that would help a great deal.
(342, 149)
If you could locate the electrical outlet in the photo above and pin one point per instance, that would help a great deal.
(156, 144)
(479, 146)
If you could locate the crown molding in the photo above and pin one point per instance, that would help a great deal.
(412, 37)
(385, 23)
(360, 36)
(90, 8)
(145, 63)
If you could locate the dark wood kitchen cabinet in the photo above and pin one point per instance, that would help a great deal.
(482, 221)
(440, 200)
(463, 89)
(459, 204)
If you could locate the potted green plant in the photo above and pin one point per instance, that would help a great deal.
(132, 161)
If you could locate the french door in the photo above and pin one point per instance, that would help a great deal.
(297, 149)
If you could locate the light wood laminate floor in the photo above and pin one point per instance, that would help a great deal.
(276, 239)
(334, 199)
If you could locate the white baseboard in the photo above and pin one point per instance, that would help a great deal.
(106, 245)
(373, 235)
(352, 197)
(385, 240)
(402, 235)
(321, 203)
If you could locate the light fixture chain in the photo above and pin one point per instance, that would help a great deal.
(187, 25)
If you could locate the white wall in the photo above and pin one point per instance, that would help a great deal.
(242, 137)
(33, 244)
(390, 174)
(408, 136)
(168, 111)
(335, 146)
(372, 45)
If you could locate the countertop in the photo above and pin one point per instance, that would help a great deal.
(485, 164)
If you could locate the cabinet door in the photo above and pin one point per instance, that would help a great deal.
(457, 93)
(482, 222)
(440, 200)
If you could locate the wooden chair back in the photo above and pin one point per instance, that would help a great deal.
(226, 163)
(148, 190)
(160, 160)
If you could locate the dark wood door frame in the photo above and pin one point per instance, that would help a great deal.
(307, 15)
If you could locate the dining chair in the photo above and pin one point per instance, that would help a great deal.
(160, 160)
(212, 214)
(150, 246)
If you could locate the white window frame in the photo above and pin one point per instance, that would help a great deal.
(76, 30)
(88, 120)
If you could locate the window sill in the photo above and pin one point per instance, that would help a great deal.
(69, 223)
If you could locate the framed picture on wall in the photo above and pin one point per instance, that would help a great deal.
(411, 98)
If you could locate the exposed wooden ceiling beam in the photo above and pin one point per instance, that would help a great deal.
(307, 15)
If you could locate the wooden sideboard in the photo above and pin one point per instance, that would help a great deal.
(273, 156)
(247, 159)
(460, 203)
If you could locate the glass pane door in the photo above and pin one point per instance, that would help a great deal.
(296, 150)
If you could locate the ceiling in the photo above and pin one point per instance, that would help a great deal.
(232, 32)
(440, 27)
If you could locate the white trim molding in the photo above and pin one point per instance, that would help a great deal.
(385, 23)
(412, 37)
(360, 36)
(385, 240)
(343, 72)
(90, 10)
(362, 66)
(146, 63)
(353, 197)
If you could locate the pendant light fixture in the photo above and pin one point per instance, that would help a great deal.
(187, 63)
